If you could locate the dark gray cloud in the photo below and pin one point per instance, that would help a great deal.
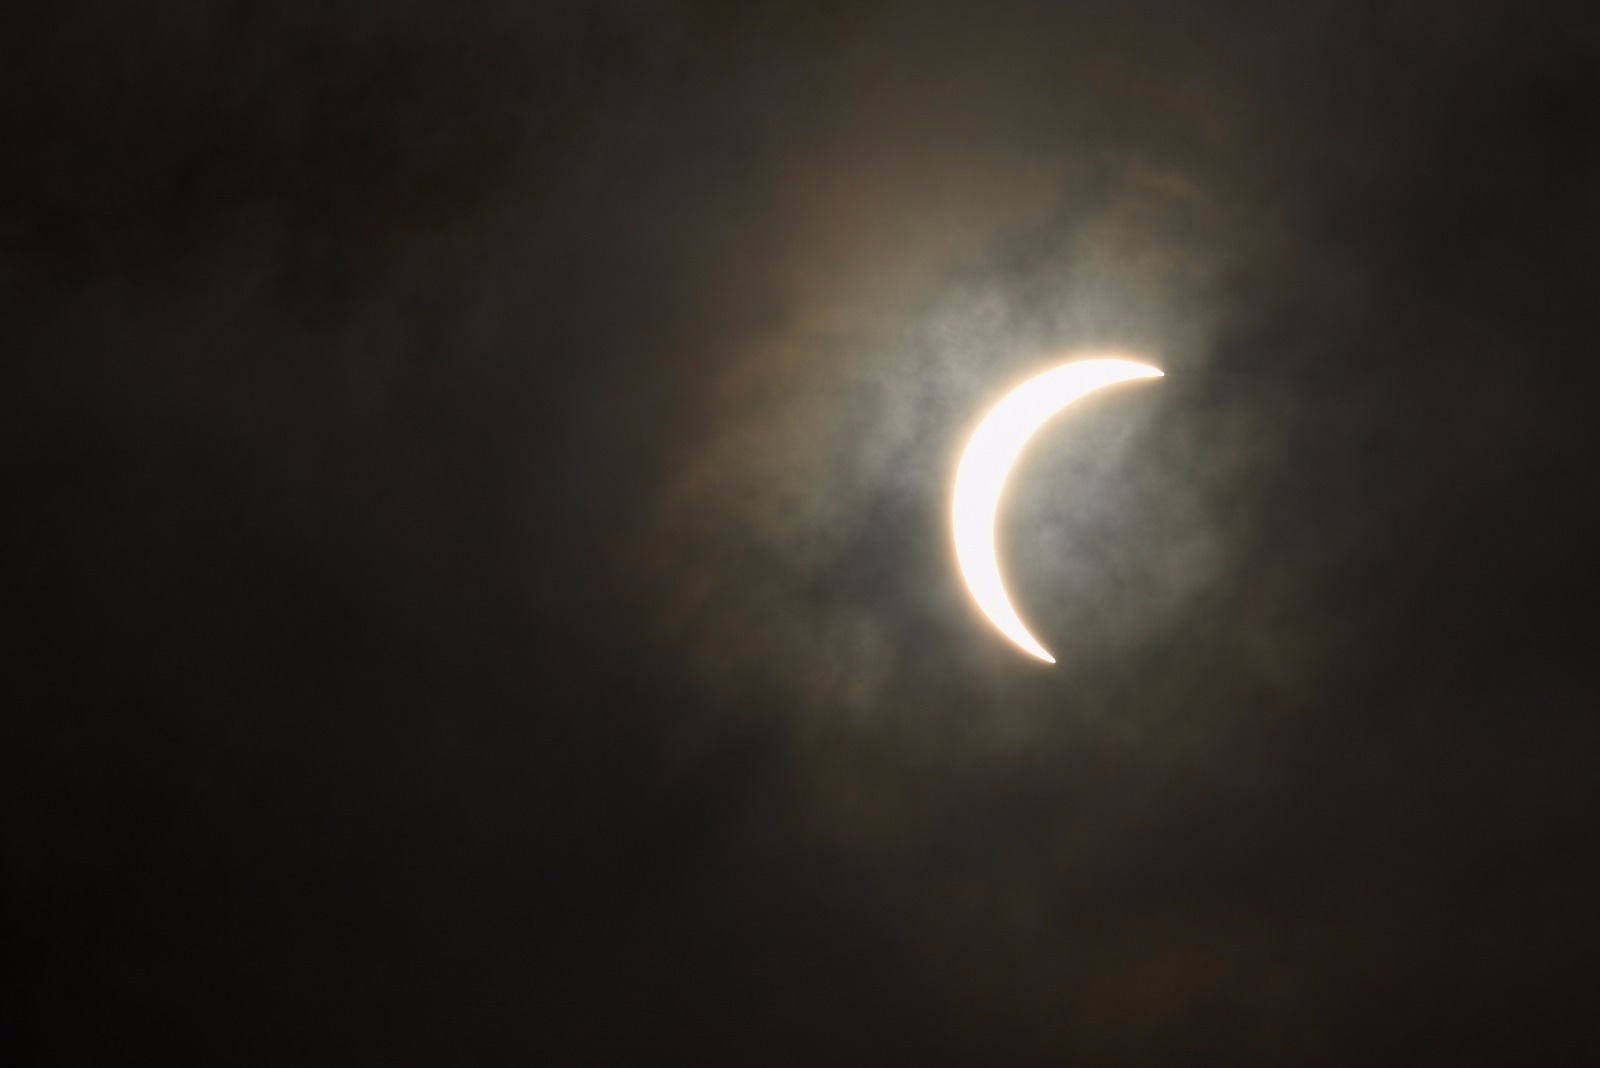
(483, 476)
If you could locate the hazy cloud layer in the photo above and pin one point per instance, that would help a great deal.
(489, 472)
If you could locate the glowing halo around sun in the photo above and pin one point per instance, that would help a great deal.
(988, 459)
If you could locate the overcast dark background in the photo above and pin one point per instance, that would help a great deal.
(482, 587)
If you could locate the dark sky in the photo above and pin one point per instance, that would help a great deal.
(479, 481)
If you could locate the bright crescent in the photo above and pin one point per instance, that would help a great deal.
(987, 461)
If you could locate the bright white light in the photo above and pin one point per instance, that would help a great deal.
(994, 447)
